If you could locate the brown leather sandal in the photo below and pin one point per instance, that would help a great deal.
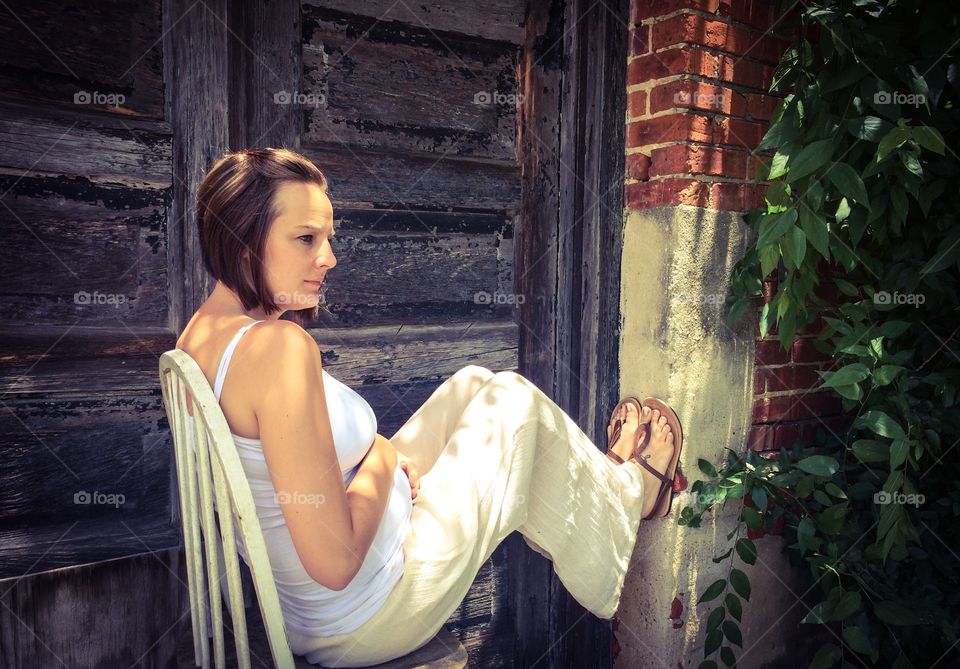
(673, 480)
(614, 426)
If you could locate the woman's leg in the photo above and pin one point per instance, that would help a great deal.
(513, 460)
(425, 434)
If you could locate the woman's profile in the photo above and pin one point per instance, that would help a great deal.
(374, 542)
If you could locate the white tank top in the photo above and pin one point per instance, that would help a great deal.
(308, 607)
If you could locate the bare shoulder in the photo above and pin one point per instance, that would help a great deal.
(283, 342)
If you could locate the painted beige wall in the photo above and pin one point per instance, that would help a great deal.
(675, 345)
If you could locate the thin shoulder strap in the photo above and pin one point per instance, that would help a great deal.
(225, 359)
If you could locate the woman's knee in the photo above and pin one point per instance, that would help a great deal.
(474, 372)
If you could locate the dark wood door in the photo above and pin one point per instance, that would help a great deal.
(471, 221)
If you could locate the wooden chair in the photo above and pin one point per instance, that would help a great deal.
(216, 462)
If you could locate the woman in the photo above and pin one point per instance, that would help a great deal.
(364, 574)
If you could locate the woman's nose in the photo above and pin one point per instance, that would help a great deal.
(327, 258)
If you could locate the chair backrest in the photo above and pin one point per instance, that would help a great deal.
(206, 447)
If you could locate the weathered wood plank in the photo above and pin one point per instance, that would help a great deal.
(541, 71)
(99, 147)
(264, 59)
(196, 76)
(41, 548)
(118, 613)
(51, 51)
(82, 251)
(386, 85)
(494, 20)
(58, 453)
(404, 181)
(373, 355)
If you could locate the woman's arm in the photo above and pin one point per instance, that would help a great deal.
(369, 491)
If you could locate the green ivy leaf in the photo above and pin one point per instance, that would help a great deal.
(726, 654)
(856, 639)
(731, 630)
(716, 617)
(806, 530)
(814, 155)
(734, 605)
(843, 210)
(929, 138)
(819, 465)
(898, 452)
(869, 450)
(751, 518)
(893, 141)
(707, 664)
(870, 128)
(747, 550)
(713, 641)
(826, 656)
(815, 228)
(885, 374)
(848, 182)
(846, 375)
(713, 591)
(707, 467)
(740, 583)
(849, 604)
(895, 614)
(774, 226)
(882, 424)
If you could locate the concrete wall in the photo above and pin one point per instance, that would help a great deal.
(675, 345)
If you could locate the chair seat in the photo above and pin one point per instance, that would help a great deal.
(444, 651)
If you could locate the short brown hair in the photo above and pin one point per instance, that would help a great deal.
(235, 207)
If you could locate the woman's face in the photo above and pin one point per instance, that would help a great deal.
(297, 253)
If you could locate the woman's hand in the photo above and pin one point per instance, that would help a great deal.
(413, 476)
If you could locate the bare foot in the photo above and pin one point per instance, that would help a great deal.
(630, 424)
(658, 454)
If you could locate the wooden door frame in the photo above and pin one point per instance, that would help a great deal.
(567, 264)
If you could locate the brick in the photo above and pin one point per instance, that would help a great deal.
(796, 407)
(697, 159)
(740, 132)
(757, 13)
(687, 94)
(804, 351)
(736, 196)
(783, 378)
(670, 63)
(761, 106)
(639, 40)
(637, 104)
(680, 127)
(666, 192)
(638, 166)
(645, 9)
(770, 352)
(717, 34)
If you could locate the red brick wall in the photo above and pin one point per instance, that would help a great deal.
(697, 82)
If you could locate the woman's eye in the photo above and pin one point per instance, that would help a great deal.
(307, 239)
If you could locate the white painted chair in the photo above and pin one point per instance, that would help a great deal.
(211, 478)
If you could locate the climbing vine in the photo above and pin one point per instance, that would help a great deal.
(859, 230)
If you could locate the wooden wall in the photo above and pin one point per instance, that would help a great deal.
(85, 178)
(426, 191)
(415, 127)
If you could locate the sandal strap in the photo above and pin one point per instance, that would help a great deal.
(643, 463)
